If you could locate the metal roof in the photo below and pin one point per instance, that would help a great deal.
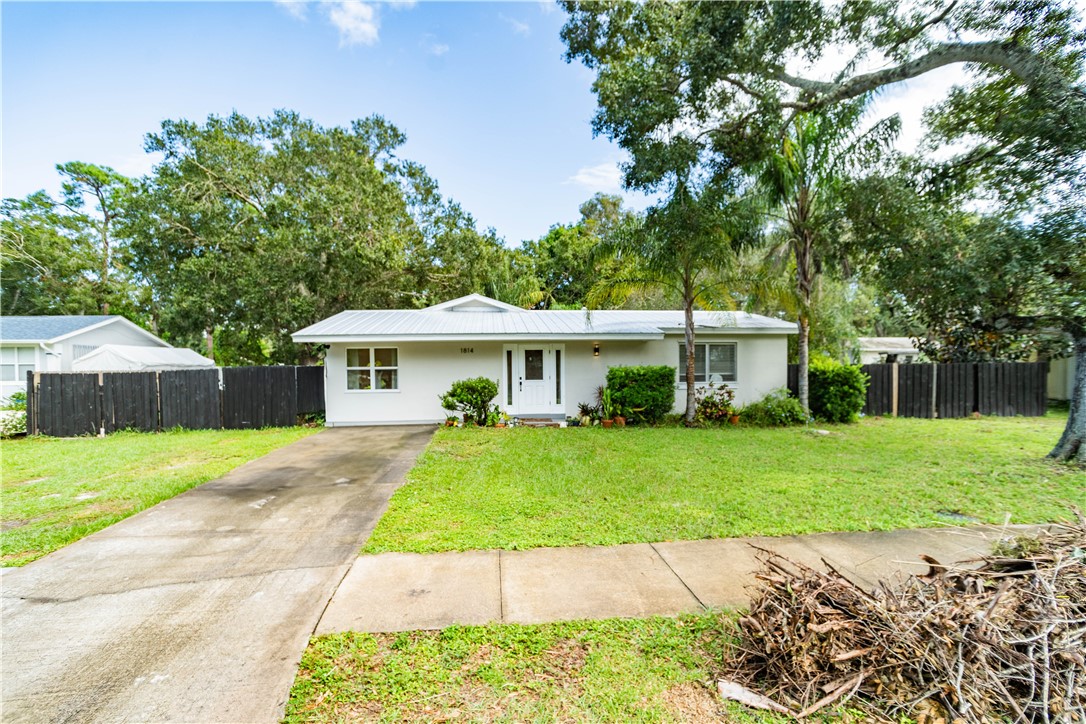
(503, 322)
(47, 328)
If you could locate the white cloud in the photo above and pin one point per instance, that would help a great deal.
(604, 177)
(357, 22)
(297, 9)
(518, 27)
(547, 6)
(438, 49)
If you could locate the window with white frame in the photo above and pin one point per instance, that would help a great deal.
(15, 362)
(718, 359)
(373, 368)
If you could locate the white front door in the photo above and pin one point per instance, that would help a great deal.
(533, 379)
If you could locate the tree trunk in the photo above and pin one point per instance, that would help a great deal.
(209, 339)
(1072, 444)
(691, 384)
(804, 358)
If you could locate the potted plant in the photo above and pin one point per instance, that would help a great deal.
(607, 408)
(450, 421)
(573, 421)
(503, 420)
(587, 412)
(619, 416)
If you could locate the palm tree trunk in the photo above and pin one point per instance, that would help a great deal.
(804, 357)
(803, 247)
(1072, 444)
(691, 403)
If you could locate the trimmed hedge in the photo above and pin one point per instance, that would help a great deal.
(776, 409)
(645, 393)
(837, 391)
(471, 397)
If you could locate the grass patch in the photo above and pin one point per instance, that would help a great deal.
(58, 490)
(628, 670)
(524, 488)
(650, 670)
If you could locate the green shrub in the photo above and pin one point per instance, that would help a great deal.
(471, 397)
(15, 401)
(714, 404)
(644, 394)
(777, 409)
(837, 391)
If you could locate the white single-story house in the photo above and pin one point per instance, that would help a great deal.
(53, 343)
(132, 358)
(391, 366)
(877, 350)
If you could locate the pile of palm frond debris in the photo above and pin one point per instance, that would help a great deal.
(1005, 640)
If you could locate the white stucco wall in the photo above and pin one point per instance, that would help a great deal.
(427, 369)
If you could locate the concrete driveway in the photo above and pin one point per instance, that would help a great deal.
(199, 608)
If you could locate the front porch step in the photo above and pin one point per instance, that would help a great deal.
(539, 422)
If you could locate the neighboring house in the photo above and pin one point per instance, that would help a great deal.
(52, 343)
(391, 366)
(1061, 378)
(130, 358)
(877, 350)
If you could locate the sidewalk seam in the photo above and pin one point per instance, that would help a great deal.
(328, 603)
(680, 578)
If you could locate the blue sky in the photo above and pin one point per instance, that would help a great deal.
(481, 90)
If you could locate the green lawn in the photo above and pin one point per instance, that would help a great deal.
(617, 670)
(647, 670)
(58, 490)
(524, 488)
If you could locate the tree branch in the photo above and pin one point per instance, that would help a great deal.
(1028, 67)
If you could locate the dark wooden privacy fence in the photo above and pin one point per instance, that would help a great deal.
(66, 404)
(952, 390)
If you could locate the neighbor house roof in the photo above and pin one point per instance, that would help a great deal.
(475, 317)
(54, 328)
(888, 345)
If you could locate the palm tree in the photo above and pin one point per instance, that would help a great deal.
(804, 178)
(683, 246)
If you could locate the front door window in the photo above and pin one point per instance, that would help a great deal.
(533, 364)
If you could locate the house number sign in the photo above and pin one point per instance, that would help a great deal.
(467, 350)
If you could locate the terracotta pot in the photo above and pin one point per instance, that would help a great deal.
(620, 421)
(499, 424)
(734, 419)
(607, 423)
(450, 423)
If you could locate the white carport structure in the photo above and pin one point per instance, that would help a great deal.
(127, 358)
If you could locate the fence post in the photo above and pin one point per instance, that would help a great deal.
(934, 387)
(31, 416)
(893, 390)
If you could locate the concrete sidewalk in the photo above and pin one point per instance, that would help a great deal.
(405, 591)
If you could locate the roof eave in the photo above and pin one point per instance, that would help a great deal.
(587, 337)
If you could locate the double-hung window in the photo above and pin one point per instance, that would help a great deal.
(373, 368)
(713, 362)
(15, 362)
